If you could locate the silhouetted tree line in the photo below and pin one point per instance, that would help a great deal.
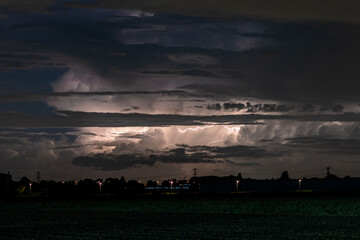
(85, 186)
(89, 186)
(120, 186)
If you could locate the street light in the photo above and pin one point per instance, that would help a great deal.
(237, 185)
(100, 183)
(299, 184)
(30, 188)
(171, 183)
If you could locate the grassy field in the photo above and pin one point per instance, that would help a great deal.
(182, 217)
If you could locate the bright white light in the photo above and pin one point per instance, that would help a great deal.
(112, 133)
(216, 141)
(231, 129)
(194, 129)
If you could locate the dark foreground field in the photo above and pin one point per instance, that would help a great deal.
(182, 217)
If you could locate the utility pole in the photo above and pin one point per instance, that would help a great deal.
(38, 176)
(328, 171)
(195, 169)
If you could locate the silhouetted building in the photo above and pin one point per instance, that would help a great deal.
(5, 182)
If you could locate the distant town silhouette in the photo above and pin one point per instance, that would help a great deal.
(26, 187)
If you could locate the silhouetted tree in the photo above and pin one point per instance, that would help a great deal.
(123, 181)
(24, 181)
(114, 185)
(133, 185)
(331, 176)
(174, 182)
(68, 187)
(165, 183)
(284, 175)
(239, 176)
(88, 186)
(151, 184)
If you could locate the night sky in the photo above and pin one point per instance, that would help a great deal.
(152, 89)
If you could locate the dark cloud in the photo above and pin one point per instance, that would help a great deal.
(275, 73)
(210, 89)
(308, 108)
(33, 136)
(271, 107)
(12, 141)
(105, 45)
(198, 73)
(36, 97)
(337, 108)
(286, 69)
(192, 59)
(180, 155)
(68, 119)
(283, 10)
(326, 145)
(28, 60)
(243, 164)
(233, 106)
(108, 162)
(215, 106)
(268, 107)
(283, 108)
(236, 151)
(23, 5)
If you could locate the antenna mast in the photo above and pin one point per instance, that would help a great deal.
(195, 169)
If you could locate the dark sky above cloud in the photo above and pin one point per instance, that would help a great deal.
(102, 88)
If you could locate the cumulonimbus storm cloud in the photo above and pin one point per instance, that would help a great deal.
(108, 87)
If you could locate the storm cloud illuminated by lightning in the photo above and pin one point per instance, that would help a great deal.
(105, 89)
